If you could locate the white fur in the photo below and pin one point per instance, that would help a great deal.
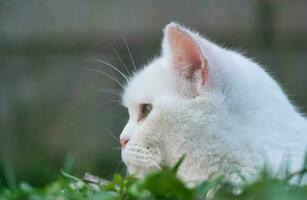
(240, 119)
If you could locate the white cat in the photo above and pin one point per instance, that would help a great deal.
(217, 107)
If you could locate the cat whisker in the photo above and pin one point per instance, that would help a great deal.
(112, 135)
(126, 44)
(112, 93)
(115, 101)
(122, 168)
(116, 92)
(109, 102)
(106, 74)
(111, 66)
(119, 57)
(117, 148)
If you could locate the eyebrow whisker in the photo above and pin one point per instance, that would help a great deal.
(118, 56)
(126, 44)
(106, 74)
(103, 90)
(111, 66)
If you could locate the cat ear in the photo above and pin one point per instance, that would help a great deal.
(184, 53)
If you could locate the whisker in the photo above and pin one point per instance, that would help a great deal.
(107, 75)
(121, 167)
(112, 66)
(112, 93)
(112, 135)
(117, 148)
(118, 56)
(114, 101)
(110, 102)
(126, 44)
(110, 90)
(116, 92)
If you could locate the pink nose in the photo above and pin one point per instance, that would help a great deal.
(124, 142)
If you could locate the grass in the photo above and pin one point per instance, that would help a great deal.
(163, 185)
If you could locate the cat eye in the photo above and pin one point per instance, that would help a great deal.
(145, 110)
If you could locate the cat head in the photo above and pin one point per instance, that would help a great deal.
(180, 101)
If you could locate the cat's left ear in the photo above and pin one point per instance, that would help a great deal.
(184, 53)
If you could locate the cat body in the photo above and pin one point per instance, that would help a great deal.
(215, 106)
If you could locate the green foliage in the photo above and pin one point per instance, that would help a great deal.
(164, 185)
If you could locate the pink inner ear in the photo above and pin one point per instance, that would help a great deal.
(186, 55)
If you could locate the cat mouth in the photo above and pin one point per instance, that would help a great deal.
(140, 161)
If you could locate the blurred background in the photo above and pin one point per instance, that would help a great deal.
(55, 113)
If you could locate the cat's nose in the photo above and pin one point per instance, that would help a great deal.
(124, 142)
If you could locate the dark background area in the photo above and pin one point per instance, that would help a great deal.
(55, 114)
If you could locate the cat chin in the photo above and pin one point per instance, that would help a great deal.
(140, 160)
(140, 172)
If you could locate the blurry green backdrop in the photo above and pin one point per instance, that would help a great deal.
(55, 114)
